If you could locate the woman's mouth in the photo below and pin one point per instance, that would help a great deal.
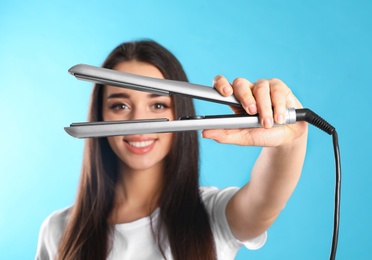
(139, 146)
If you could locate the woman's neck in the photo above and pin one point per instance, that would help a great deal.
(137, 193)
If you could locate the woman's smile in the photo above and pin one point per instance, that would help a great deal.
(139, 145)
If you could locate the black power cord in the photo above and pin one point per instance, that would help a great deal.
(312, 118)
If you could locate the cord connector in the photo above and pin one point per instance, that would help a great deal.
(305, 114)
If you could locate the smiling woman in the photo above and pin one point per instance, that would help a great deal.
(138, 152)
(139, 196)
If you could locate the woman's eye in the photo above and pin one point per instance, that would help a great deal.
(158, 106)
(119, 106)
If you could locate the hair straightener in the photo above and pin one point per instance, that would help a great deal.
(188, 123)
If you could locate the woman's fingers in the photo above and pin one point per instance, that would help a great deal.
(241, 88)
(222, 85)
(268, 98)
(279, 96)
(261, 92)
(243, 92)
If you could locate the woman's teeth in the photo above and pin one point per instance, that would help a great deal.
(142, 143)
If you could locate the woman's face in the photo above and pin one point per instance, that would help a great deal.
(145, 151)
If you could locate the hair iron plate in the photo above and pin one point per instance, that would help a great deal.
(153, 85)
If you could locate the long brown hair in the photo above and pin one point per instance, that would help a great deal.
(182, 215)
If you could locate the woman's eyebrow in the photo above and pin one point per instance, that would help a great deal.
(125, 95)
(118, 95)
(155, 95)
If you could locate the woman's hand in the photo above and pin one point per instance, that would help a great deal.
(252, 210)
(268, 98)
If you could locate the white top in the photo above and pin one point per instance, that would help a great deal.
(135, 240)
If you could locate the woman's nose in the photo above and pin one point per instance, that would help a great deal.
(139, 113)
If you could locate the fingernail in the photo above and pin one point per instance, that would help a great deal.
(252, 109)
(226, 90)
(280, 119)
(267, 122)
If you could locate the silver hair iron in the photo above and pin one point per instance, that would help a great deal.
(164, 87)
(169, 87)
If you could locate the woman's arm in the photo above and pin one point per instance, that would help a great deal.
(277, 170)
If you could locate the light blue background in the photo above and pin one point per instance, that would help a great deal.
(321, 49)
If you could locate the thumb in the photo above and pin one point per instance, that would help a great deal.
(223, 136)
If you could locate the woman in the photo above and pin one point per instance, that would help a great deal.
(139, 196)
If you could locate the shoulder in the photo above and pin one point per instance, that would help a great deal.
(56, 222)
(213, 196)
(50, 233)
(215, 199)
